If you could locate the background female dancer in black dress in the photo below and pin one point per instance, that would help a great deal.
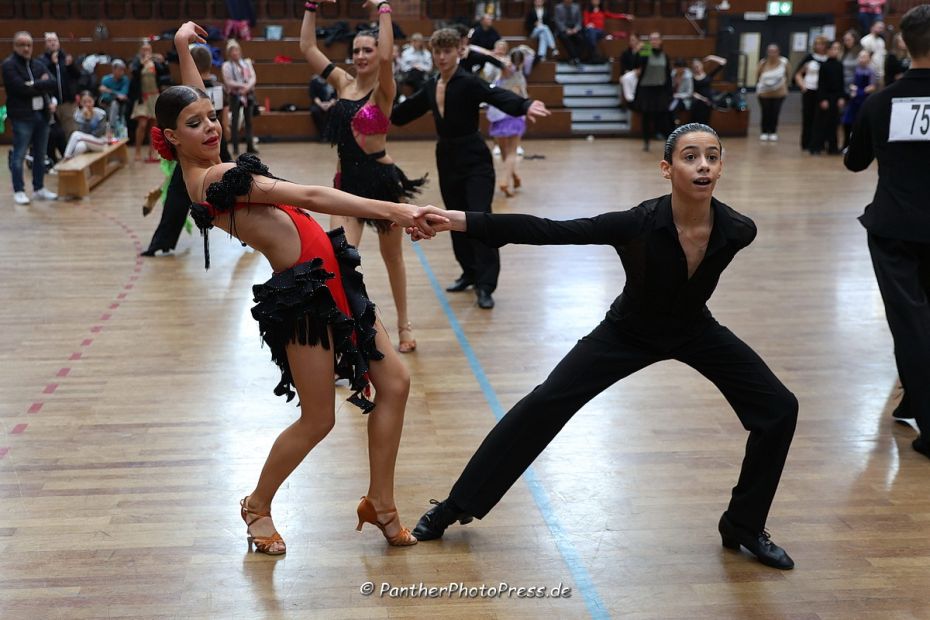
(673, 250)
(358, 126)
(313, 314)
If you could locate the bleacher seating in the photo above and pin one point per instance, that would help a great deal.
(286, 83)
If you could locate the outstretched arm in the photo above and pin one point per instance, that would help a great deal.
(319, 199)
(386, 83)
(189, 33)
(497, 229)
(316, 58)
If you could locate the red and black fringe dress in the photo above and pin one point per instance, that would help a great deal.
(323, 291)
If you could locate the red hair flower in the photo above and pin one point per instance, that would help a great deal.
(161, 144)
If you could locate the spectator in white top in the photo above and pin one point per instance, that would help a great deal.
(416, 63)
(874, 43)
(239, 79)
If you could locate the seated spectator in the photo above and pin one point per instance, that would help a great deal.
(322, 98)
(539, 25)
(569, 27)
(114, 95)
(703, 97)
(91, 132)
(484, 35)
(487, 7)
(595, 18)
(416, 64)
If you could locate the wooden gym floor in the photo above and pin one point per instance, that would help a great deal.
(136, 410)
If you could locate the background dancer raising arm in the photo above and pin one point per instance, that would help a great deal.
(358, 125)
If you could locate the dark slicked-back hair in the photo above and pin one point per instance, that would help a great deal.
(170, 103)
(915, 28)
(684, 130)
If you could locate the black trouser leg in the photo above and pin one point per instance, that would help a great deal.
(596, 362)
(808, 109)
(173, 215)
(247, 111)
(570, 47)
(466, 182)
(902, 269)
(765, 407)
(770, 110)
(700, 112)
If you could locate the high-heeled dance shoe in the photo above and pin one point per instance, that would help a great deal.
(270, 545)
(150, 201)
(506, 191)
(408, 344)
(517, 181)
(367, 514)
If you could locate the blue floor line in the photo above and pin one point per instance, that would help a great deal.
(577, 568)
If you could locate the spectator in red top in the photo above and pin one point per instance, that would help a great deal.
(870, 11)
(594, 19)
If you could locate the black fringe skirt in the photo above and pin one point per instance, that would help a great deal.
(297, 306)
(365, 177)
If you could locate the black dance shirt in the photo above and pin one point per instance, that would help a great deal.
(658, 300)
(464, 94)
(900, 208)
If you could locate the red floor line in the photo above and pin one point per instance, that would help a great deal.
(36, 407)
(50, 388)
(18, 429)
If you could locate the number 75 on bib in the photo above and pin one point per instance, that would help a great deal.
(910, 120)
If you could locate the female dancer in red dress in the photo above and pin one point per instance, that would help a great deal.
(313, 313)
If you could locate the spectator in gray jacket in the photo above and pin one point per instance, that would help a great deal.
(570, 30)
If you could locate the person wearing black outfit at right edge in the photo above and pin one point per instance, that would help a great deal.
(177, 202)
(674, 249)
(466, 170)
(894, 127)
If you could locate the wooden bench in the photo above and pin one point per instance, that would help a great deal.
(79, 174)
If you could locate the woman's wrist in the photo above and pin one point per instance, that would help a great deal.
(311, 7)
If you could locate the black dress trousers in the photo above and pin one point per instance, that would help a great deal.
(466, 182)
(765, 407)
(902, 269)
(173, 215)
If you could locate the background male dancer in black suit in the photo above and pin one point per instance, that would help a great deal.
(674, 249)
(466, 170)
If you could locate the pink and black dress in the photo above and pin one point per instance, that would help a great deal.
(361, 173)
(322, 293)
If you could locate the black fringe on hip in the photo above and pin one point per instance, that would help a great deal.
(297, 306)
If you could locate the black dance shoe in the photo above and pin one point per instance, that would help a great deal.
(485, 301)
(433, 523)
(921, 445)
(459, 285)
(902, 412)
(759, 544)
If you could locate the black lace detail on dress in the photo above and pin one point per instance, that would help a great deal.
(222, 194)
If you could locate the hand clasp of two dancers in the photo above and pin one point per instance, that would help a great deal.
(438, 220)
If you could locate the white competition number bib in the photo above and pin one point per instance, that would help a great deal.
(910, 120)
(216, 96)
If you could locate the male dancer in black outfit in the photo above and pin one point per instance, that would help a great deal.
(177, 202)
(673, 250)
(466, 170)
(894, 127)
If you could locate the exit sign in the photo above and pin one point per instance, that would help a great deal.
(780, 7)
